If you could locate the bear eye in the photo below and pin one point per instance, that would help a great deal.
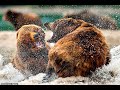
(17, 35)
(35, 31)
(58, 60)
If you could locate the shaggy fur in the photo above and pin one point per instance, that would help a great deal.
(32, 54)
(19, 19)
(79, 52)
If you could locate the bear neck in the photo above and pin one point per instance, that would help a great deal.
(26, 53)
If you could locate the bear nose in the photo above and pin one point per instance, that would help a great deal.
(36, 36)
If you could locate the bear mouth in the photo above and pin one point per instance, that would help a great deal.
(39, 44)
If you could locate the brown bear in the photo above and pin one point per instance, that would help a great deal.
(19, 19)
(78, 53)
(32, 54)
(97, 20)
(61, 27)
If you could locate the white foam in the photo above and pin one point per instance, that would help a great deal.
(1, 61)
(52, 44)
(109, 74)
(10, 75)
(33, 80)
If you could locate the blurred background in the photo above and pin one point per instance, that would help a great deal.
(49, 13)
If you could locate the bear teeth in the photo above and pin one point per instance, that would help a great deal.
(39, 44)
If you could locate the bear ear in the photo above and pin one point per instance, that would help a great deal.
(48, 26)
(87, 25)
(9, 12)
(17, 35)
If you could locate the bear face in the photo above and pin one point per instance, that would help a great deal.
(61, 27)
(32, 53)
(19, 19)
(29, 34)
(79, 53)
(99, 21)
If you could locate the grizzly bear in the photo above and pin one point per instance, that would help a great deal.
(32, 54)
(78, 53)
(101, 22)
(61, 27)
(19, 19)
